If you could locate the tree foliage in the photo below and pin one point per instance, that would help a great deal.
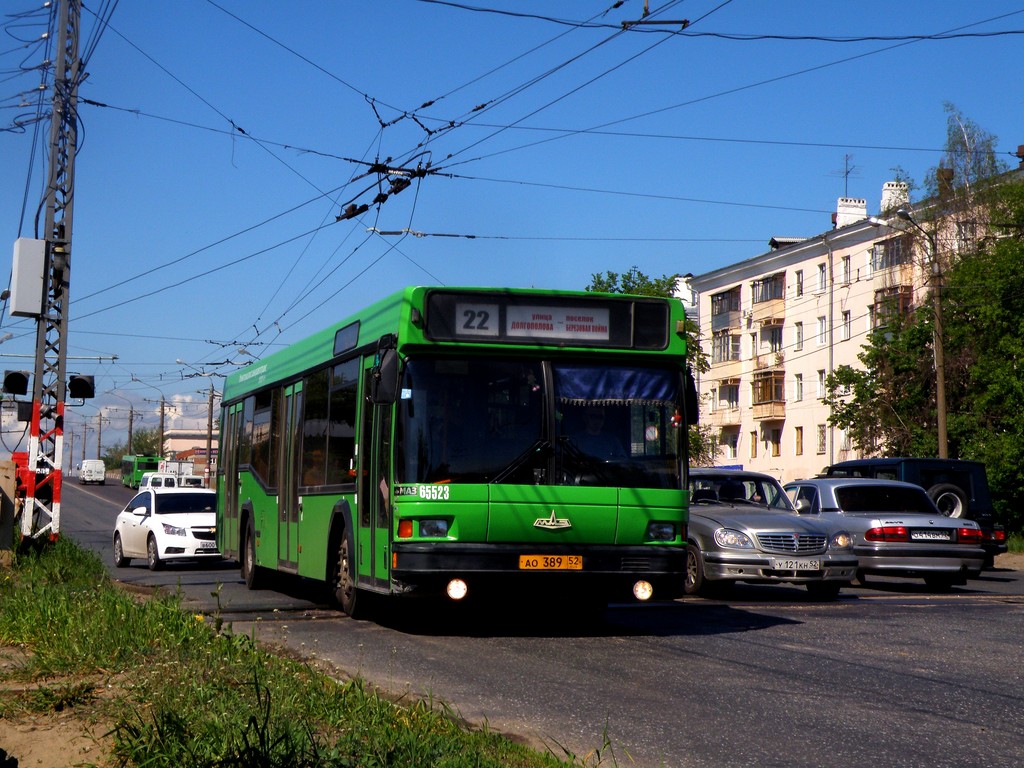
(703, 443)
(145, 442)
(889, 406)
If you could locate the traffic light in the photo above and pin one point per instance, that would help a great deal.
(81, 387)
(16, 382)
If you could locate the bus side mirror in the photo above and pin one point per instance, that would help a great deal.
(691, 401)
(384, 378)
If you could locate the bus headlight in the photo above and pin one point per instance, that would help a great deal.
(457, 589)
(643, 590)
(433, 529)
(661, 531)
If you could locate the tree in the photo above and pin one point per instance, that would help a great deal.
(703, 443)
(983, 305)
(145, 442)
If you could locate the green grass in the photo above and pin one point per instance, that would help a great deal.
(181, 689)
(1015, 542)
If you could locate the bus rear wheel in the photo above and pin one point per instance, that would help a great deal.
(251, 573)
(345, 591)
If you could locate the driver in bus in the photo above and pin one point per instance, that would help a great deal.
(594, 440)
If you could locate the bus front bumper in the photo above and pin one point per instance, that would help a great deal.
(611, 570)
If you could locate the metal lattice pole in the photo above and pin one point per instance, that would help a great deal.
(41, 513)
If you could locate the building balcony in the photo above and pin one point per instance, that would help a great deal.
(727, 369)
(723, 321)
(725, 417)
(770, 411)
(770, 360)
(772, 312)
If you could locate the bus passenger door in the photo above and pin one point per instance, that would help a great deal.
(288, 506)
(373, 516)
(227, 530)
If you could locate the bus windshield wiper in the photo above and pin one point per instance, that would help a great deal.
(541, 446)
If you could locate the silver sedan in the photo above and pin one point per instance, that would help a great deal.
(742, 527)
(897, 529)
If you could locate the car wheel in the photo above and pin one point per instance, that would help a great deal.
(252, 574)
(345, 591)
(693, 581)
(120, 561)
(153, 555)
(950, 499)
(824, 590)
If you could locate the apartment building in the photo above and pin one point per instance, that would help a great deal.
(776, 325)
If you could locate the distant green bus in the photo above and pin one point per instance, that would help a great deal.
(132, 468)
(465, 441)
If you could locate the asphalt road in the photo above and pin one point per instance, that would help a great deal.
(889, 674)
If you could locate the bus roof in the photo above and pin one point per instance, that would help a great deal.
(402, 313)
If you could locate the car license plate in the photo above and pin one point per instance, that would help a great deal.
(207, 544)
(795, 564)
(929, 536)
(551, 562)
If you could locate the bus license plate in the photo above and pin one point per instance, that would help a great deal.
(551, 562)
(795, 564)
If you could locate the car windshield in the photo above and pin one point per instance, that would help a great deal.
(739, 489)
(882, 498)
(176, 503)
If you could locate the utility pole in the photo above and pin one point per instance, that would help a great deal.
(41, 513)
(209, 438)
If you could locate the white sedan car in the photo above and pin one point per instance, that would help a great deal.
(161, 524)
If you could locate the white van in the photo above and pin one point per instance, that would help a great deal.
(92, 471)
(158, 480)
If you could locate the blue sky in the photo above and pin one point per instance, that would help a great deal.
(222, 138)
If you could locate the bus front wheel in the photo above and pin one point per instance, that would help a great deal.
(345, 591)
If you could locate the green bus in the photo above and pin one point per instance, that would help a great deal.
(462, 441)
(132, 468)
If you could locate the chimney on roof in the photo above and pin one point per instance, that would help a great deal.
(1020, 154)
(895, 194)
(850, 210)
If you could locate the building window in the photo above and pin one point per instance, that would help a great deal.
(731, 442)
(799, 344)
(890, 253)
(775, 338)
(966, 236)
(846, 443)
(753, 445)
(890, 302)
(845, 270)
(822, 278)
(799, 283)
(798, 388)
(821, 439)
(713, 405)
(769, 288)
(821, 383)
(822, 331)
(768, 387)
(725, 347)
(799, 436)
(729, 396)
(775, 441)
(847, 325)
(725, 302)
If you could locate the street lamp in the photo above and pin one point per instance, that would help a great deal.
(940, 366)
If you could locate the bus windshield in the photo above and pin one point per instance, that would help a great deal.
(538, 422)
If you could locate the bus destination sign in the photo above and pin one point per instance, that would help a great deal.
(533, 322)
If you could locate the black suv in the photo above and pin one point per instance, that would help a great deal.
(958, 487)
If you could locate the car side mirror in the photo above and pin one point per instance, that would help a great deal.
(140, 511)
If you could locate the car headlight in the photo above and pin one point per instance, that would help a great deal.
(173, 530)
(730, 539)
(661, 532)
(841, 540)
